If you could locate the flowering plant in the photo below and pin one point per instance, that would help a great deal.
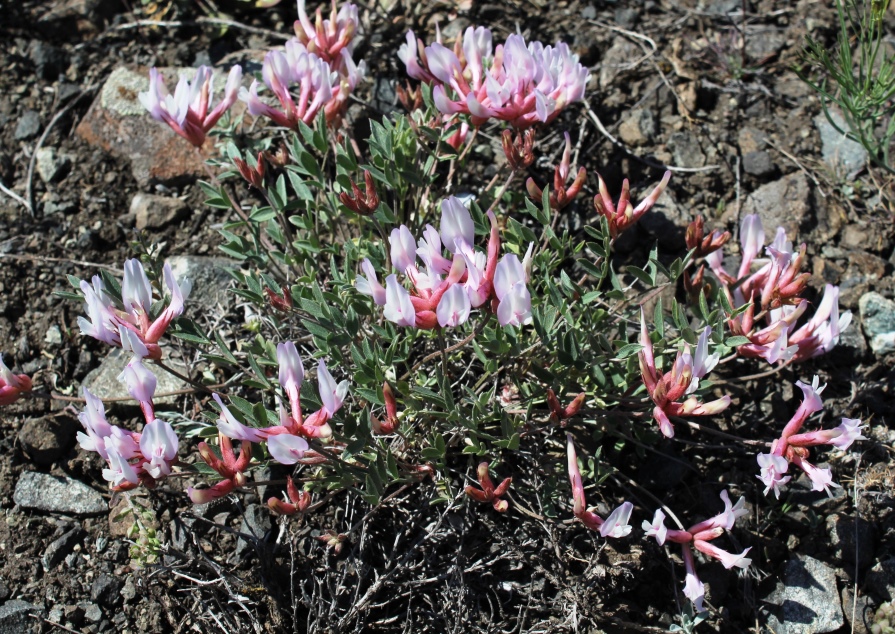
(380, 260)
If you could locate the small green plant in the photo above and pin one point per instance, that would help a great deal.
(860, 80)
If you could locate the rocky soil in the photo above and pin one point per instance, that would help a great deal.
(693, 85)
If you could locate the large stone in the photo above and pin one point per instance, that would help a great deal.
(154, 212)
(843, 155)
(103, 381)
(686, 149)
(208, 278)
(118, 123)
(15, 616)
(878, 320)
(851, 540)
(784, 203)
(57, 494)
(45, 440)
(808, 599)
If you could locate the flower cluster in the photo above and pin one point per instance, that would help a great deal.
(699, 535)
(129, 323)
(472, 278)
(792, 446)
(286, 442)
(511, 82)
(186, 111)
(132, 458)
(775, 289)
(12, 386)
(317, 64)
(666, 388)
(616, 525)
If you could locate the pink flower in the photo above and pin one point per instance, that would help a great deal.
(186, 112)
(12, 385)
(520, 84)
(656, 528)
(230, 427)
(108, 323)
(292, 372)
(772, 469)
(368, 284)
(158, 444)
(454, 307)
(616, 525)
(398, 306)
(328, 38)
(286, 448)
(698, 536)
(665, 389)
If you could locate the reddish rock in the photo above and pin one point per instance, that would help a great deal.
(117, 123)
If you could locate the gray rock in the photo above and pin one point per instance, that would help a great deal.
(785, 202)
(758, 163)
(616, 59)
(852, 540)
(60, 548)
(45, 440)
(686, 150)
(638, 128)
(51, 166)
(881, 580)
(49, 61)
(92, 611)
(750, 139)
(57, 494)
(208, 278)
(666, 221)
(106, 590)
(14, 617)
(103, 381)
(808, 599)
(878, 320)
(765, 43)
(154, 212)
(28, 126)
(129, 591)
(255, 522)
(841, 154)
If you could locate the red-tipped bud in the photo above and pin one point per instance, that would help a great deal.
(283, 303)
(363, 203)
(254, 176)
(410, 98)
(391, 422)
(519, 148)
(693, 283)
(704, 244)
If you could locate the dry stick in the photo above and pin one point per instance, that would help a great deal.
(30, 178)
(721, 434)
(201, 20)
(198, 386)
(42, 258)
(56, 396)
(16, 197)
(799, 165)
(456, 346)
(671, 168)
(53, 623)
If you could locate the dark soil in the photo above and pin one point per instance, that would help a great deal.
(699, 101)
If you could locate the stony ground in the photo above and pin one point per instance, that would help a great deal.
(692, 85)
